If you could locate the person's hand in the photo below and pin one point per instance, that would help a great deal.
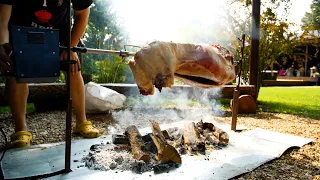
(6, 64)
(75, 68)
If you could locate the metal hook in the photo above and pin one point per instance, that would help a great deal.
(125, 53)
(241, 59)
(131, 46)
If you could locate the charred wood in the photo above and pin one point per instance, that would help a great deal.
(137, 144)
(120, 139)
(209, 129)
(165, 152)
(192, 139)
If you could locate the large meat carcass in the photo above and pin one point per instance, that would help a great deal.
(157, 63)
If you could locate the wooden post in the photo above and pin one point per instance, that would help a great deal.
(235, 107)
(255, 37)
(306, 61)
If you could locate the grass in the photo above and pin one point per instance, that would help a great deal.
(30, 108)
(225, 103)
(303, 101)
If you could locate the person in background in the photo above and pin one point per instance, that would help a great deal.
(289, 71)
(314, 72)
(301, 71)
(43, 14)
(282, 72)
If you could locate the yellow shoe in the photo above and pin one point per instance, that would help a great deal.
(21, 139)
(86, 130)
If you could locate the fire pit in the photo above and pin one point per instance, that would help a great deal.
(207, 148)
(159, 151)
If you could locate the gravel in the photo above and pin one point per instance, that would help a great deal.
(303, 163)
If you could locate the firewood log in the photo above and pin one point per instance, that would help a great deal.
(166, 152)
(166, 135)
(211, 139)
(208, 128)
(192, 139)
(205, 125)
(137, 144)
(221, 135)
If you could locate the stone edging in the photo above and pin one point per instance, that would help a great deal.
(58, 91)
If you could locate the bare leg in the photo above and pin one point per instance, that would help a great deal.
(78, 101)
(18, 94)
(77, 95)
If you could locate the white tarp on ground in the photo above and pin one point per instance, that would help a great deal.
(245, 152)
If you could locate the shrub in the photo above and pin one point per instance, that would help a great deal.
(110, 71)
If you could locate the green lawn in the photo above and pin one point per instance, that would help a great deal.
(304, 101)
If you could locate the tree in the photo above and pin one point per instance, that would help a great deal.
(103, 32)
(274, 3)
(311, 30)
(276, 39)
(312, 18)
(311, 25)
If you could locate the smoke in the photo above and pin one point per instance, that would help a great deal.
(167, 107)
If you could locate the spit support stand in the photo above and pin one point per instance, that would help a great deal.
(236, 93)
(67, 168)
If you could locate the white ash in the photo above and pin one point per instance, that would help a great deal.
(107, 158)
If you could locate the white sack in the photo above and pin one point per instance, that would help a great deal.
(101, 99)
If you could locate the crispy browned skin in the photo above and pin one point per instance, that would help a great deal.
(158, 63)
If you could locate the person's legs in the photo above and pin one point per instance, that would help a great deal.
(18, 94)
(77, 94)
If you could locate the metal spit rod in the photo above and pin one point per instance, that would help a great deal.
(100, 51)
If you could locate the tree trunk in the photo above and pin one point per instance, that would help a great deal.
(137, 144)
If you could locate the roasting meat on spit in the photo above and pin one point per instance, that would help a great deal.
(157, 63)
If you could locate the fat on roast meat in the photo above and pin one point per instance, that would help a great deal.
(157, 63)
